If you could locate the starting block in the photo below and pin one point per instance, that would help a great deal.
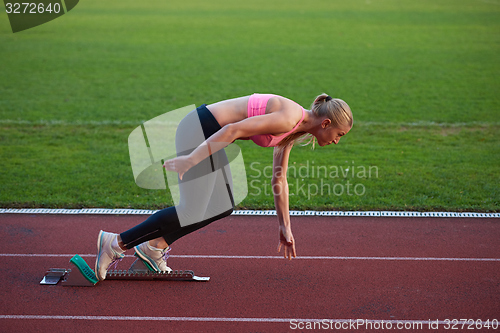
(81, 275)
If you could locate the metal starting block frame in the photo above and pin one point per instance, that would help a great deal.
(81, 275)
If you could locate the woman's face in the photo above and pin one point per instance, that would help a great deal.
(329, 134)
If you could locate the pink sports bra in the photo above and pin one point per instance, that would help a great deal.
(257, 107)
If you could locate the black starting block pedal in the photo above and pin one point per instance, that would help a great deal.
(81, 275)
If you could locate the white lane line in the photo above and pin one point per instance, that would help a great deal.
(336, 258)
(48, 255)
(360, 322)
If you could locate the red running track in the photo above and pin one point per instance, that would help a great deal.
(391, 269)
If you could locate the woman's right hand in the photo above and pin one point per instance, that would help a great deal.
(179, 164)
(287, 242)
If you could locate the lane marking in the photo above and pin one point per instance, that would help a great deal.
(336, 258)
(222, 319)
(193, 256)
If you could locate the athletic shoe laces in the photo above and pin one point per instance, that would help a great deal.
(115, 262)
(165, 254)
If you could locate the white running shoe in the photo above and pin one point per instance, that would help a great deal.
(155, 259)
(106, 255)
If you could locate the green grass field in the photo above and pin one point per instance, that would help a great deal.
(422, 79)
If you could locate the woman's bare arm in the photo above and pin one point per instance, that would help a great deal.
(281, 201)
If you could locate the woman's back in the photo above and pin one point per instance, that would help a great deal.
(237, 109)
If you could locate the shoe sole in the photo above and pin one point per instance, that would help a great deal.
(148, 266)
(99, 240)
(143, 257)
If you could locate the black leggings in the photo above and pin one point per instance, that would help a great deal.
(166, 223)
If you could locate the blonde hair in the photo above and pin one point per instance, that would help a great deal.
(334, 109)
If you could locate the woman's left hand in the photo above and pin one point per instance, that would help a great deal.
(287, 242)
(179, 164)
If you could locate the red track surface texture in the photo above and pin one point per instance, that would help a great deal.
(390, 269)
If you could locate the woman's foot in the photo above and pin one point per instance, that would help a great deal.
(106, 253)
(155, 258)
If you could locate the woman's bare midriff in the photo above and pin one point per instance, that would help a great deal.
(234, 110)
(229, 111)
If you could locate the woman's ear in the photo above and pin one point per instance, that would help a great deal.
(325, 123)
